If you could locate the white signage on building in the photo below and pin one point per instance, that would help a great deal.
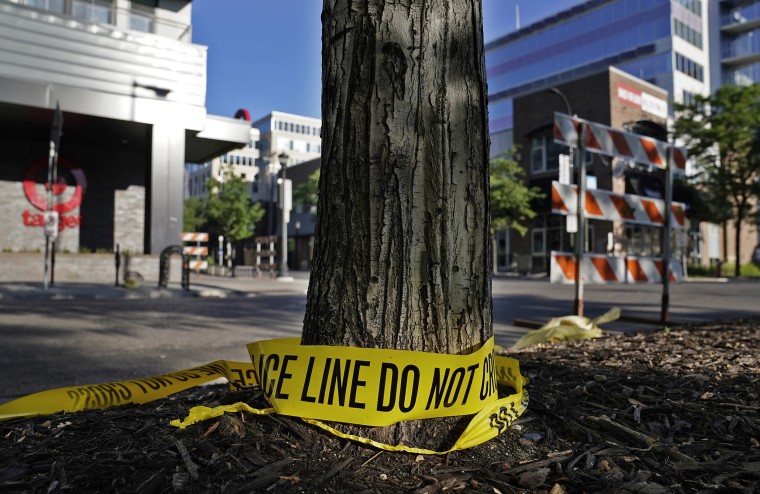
(641, 99)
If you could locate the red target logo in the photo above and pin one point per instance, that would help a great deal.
(67, 191)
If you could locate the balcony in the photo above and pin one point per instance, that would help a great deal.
(99, 69)
(740, 19)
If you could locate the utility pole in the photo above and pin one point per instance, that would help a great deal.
(51, 215)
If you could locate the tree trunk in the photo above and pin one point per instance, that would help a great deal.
(401, 255)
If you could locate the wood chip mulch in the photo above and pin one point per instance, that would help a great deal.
(668, 411)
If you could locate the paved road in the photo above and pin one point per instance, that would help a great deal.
(52, 343)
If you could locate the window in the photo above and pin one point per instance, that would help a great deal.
(685, 32)
(141, 18)
(694, 6)
(689, 67)
(537, 154)
(51, 5)
(544, 154)
(100, 11)
(643, 240)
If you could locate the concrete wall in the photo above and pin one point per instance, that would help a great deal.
(83, 268)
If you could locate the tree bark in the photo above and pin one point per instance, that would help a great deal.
(402, 249)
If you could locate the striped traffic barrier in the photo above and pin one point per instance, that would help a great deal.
(650, 269)
(601, 139)
(197, 250)
(610, 206)
(600, 269)
(194, 237)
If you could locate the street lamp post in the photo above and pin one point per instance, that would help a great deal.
(298, 236)
(581, 204)
(285, 217)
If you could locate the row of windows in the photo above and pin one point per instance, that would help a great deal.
(689, 67)
(549, 233)
(236, 159)
(297, 128)
(695, 6)
(99, 11)
(686, 33)
(521, 62)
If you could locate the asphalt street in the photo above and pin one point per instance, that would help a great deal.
(48, 343)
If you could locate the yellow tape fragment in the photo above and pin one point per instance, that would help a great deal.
(372, 386)
(135, 391)
(362, 386)
(375, 387)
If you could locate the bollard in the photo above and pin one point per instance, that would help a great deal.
(117, 261)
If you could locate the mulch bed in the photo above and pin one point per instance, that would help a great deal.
(670, 411)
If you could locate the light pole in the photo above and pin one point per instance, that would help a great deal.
(298, 236)
(285, 217)
(581, 204)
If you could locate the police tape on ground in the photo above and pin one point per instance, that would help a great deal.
(364, 386)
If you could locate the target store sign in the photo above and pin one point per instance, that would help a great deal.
(67, 193)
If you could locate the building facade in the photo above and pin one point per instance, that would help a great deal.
(610, 97)
(686, 47)
(665, 43)
(131, 86)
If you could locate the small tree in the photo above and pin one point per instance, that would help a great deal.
(230, 210)
(307, 193)
(193, 216)
(511, 198)
(721, 133)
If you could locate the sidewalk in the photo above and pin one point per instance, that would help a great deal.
(201, 285)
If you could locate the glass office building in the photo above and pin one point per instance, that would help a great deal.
(662, 42)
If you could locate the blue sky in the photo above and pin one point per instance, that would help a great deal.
(265, 55)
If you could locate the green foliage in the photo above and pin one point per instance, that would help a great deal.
(728, 270)
(230, 210)
(193, 217)
(510, 198)
(306, 194)
(722, 132)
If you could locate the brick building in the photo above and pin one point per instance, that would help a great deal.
(610, 97)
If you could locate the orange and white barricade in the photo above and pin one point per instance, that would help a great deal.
(595, 269)
(599, 269)
(650, 269)
(199, 251)
(610, 206)
(609, 141)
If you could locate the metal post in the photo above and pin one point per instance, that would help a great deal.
(666, 234)
(298, 236)
(52, 178)
(580, 236)
(284, 226)
(117, 261)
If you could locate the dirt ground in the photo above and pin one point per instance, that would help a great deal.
(668, 411)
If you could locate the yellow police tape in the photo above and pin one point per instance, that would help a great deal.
(363, 386)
